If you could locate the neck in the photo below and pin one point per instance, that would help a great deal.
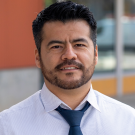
(71, 97)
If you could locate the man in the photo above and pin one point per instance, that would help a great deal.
(66, 52)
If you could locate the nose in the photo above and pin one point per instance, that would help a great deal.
(69, 53)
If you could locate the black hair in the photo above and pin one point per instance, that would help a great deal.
(63, 11)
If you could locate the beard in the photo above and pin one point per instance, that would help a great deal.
(53, 78)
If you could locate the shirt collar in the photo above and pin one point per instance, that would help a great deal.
(51, 101)
(92, 99)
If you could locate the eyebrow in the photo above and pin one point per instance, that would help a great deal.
(55, 42)
(80, 40)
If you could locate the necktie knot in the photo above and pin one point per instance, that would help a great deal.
(73, 118)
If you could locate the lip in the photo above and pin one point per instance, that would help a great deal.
(69, 70)
(67, 66)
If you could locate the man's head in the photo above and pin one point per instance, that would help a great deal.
(63, 11)
(65, 36)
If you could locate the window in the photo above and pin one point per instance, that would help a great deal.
(129, 35)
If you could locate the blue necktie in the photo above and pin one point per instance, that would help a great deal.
(73, 118)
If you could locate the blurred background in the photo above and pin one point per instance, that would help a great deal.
(115, 72)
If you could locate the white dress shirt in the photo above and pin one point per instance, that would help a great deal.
(36, 115)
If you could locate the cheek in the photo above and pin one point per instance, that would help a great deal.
(87, 56)
(50, 61)
(90, 52)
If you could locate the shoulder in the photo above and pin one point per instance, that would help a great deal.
(115, 114)
(20, 113)
(21, 106)
(109, 104)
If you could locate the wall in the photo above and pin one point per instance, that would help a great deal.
(19, 77)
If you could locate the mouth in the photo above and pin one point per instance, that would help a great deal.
(69, 65)
(69, 68)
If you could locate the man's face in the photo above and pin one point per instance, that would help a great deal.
(67, 54)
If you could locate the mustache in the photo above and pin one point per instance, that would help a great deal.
(70, 62)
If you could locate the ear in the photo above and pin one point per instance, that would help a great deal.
(37, 58)
(96, 55)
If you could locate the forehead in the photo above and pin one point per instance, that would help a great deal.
(70, 28)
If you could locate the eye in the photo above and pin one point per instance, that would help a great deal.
(56, 47)
(79, 45)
